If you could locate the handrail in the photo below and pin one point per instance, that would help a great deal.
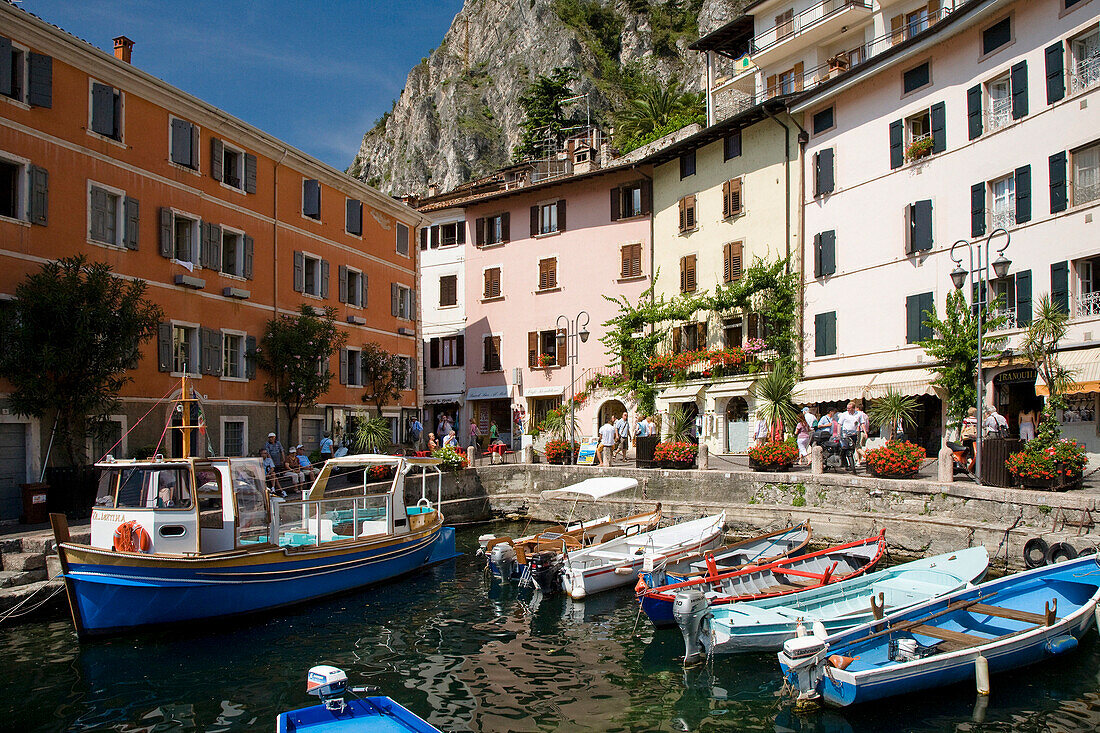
(808, 17)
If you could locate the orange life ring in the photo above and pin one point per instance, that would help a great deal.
(131, 537)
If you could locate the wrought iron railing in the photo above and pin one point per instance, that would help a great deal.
(1009, 316)
(1000, 113)
(1086, 73)
(797, 23)
(1085, 192)
(1003, 219)
(1088, 304)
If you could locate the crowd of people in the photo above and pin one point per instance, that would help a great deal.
(289, 470)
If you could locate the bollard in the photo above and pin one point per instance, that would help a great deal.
(946, 466)
(704, 457)
(529, 454)
(470, 454)
(817, 460)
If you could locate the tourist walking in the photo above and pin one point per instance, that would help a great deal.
(622, 433)
(326, 446)
(608, 436)
(493, 432)
(760, 431)
(995, 425)
(1026, 419)
(415, 431)
(803, 431)
(475, 433)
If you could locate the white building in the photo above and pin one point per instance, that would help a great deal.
(955, 121)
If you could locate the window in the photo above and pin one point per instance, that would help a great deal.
(105, 109)
(353, 217)
(732, 332)
(786, 82)
(1086, 174)
(402, 304)
(494, 229)
(232, 253)
(631, 260)
(185, 238)
(825, 334)
(920, 226)
(918, 135)
(236, 168)
(999, 93)
(731, 147)
(25, 76)
(1003, 291)
(491, 352)
(410, 373)
(694, 336)
(184, 143)
(731, 198)
(105, 209)
(311, 198)
(13, 84)
(1003, 196)
(234, 441)
(687, 164)
(446, 235)
(687, 213)
(916, 21)
(185, 349)
(825, 253)
(311, 268)
(917, 310)
(1085, 61)
(548, 218)
(918, 127)
(12, 189)
(356, 294)
(402, 239)
(548, 273)
(544, 349)
(687, 274)
(824, 174)
(915, 78)
(996, 35)
(353, 371)
(448, 290)
(731, 261)
(492, 283)
(447, 351)
(633, 199)
(232, 355)
(1088, 290)
(784, 24)
(823, 121)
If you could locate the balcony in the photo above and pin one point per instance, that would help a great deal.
(1085, 74)
(999, 114)
(823, 20)
(1088, 305)
(1009, 315)
(1002, 219)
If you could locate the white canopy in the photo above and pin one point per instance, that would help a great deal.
(595, 488)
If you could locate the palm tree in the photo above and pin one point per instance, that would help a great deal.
(680, 425)
(656, 105)
(774, 393)
(895, 411)
(1046, 330)
(372, 434)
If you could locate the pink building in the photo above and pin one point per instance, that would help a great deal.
(551, 248)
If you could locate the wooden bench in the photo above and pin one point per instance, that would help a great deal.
(953, 640)
(1027, 617)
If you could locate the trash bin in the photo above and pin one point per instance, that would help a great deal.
(34, 503)
(644, 448)
(995, 451)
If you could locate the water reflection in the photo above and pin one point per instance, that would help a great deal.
(472, 655)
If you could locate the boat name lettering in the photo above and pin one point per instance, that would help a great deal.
(109, 516)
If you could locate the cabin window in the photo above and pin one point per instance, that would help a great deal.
(250, 493)
(145, 488)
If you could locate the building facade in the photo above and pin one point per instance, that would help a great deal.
(229, 226)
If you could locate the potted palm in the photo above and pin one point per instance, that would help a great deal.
(774, 394)
(893, 413)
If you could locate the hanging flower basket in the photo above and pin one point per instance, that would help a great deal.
(773, 456)
(919, 148)
(675, 455)
(896, 459)
(545, 361)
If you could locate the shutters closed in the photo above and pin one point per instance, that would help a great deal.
(548, 273)
(311, 198)
(1023, 298)
(448, 290)
(217, 159)
(103, 110)
(354, 217)
(732, 145)
(13, 468)
(1059, 285)
(210, 250)
(687, 213)
(492, 282)
(687, 274)
(631, 260)
(825, 334)
(920, 226)
(977, 210)
(210, 354)
(1059, 199)
(938, 123)
(897, 151)
(1023, 194)
(917, 308)
(1056, 72)
(40, 80)
(181, 142)
(1019, 90)
(731, 269)
(823, 172)
(731, 198)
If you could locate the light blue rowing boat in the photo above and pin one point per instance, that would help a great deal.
(764, 624)
(966, 635)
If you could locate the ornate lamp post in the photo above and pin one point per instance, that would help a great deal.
(981, 276)
(577, 328)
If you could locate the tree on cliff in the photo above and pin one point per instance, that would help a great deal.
(71, 333)
(295, 351)
(544, 116)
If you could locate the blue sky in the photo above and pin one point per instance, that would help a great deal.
(316, 73)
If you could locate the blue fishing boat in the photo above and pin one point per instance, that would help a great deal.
(764, 624)
(182, 539)
(966, 635)
(337, 714)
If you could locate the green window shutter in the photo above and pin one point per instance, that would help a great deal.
(1019, 90)
(817, 255)
(974, 110)
(825, 334)
(1023, 194)
(39, 204)
(167, 245)
(823, 172)
(1023, 298)
(1059, 197)
(40, 78)
(249, 173)
(324, 278)
(343, 366)
(342, 283)
(897, 152)
(217, 159)
(927, 309)
(828, 252)
(938, 122)
(1056, 72)
(920, 226)
(912, 319)
(299, 272)
(249, 246)
(977, 210)
(164, 347)
(1059, 285)
(131, 229)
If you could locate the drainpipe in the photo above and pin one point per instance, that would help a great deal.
(275, 262)
(652, 230)
(710, 98)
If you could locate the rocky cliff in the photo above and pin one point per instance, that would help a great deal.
(458, 116)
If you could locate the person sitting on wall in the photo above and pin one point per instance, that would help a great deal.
(308, 471)
(433, 444)
(292, 470)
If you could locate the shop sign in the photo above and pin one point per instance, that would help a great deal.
(1016, 376)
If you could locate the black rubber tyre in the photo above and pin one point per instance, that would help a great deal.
(1035, 552)
(1090, 550)
(1060, 552)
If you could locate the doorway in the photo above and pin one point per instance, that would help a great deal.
(611, 411)
(738, 430)
(1013, 393)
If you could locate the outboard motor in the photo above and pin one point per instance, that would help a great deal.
(803, 660)
(689, 608)
(329, 684)
(546, 571)
(502, 560)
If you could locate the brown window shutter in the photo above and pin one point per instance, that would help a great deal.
(683, 207)
(933, 11)
(726, 253)
(495, 273)
(798, 69)
(647, 197)
(734, 197)
(676, 345)
(561, 215)
(636, 261)
(626, 264)
(532, 349)
(616, 201)
(479, 232)
(534, 220)
(725, 199)
(897, 29)
(691, 273)
(505, 227)
(488, 281)
(552, 276)
(701, 335)
(773, 81)
(683, 274)
(689, 212)
(560, 342)
(735, 261)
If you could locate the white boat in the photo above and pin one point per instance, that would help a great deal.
(619, 561)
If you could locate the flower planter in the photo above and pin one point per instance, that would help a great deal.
(678, 465)
(896, 459)
(774, 457)
(893, 474)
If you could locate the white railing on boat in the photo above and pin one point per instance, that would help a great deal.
(313, 523)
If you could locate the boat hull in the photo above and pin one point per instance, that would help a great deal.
(110, 592)
(380, 714)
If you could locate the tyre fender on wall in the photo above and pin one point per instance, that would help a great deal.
(1060, 552)
(1035, 552)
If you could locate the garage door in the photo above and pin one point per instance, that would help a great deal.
(13, 468)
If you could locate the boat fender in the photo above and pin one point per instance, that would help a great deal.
(1060, 552)
(981, 674)
(131, 537)
(839, 661)
(1035, 552)
(1061, 643)
(712, 566)
(819, 630)
(624, 570)
(641, 586)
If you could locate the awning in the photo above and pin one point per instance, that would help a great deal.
(1085, 365)
(735, 389)
(904, 381)
(832, 389)
(550, 391)
(498, 392)
(442, 399)
(681, 394)
(594, 488)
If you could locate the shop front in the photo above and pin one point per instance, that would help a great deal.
(1014, 393)
(681, 397)
(489, 406)
(1079, 418)
(727, 427)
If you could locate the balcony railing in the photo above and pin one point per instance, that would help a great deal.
(1000, 113)
(1086, 73)
(798, 23)
(1003, 219)
(1085, 192)
(1009, 315)
(1088, 304)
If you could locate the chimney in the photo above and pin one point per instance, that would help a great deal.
(433, 188)
(123, 48)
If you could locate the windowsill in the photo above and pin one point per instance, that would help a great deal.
(307, 217)
(233, 379)
(184, 168)
(106, 245)
(735, 215)
(353, 235)
(15, 102)
(238, 189)
(544, 235)
(492, 300)
(491, 245)
(233, 276)
(447, 366)
(356, 306)
(555, 289)
(195, 267)
(447, 307)
(446, 246)
(310, 295)
(546, 367)
(104, 138)
(632, 217)
(407, 256)
(13, 220)
(686, 232)
(354, 386)
(492, 371)
(631, 279)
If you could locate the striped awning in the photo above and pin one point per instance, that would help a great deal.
(1085, 365)
(832, 389)
(903, 381)
(681, 394)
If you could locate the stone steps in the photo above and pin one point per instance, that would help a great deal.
(11, 578)
(22, 561)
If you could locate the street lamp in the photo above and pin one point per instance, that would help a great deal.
(567, 339)
(981, 274)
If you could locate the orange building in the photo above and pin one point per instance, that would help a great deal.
(228, 225)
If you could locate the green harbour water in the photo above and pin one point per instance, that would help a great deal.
(471, 655)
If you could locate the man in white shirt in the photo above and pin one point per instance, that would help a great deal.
(850, 421)
(608, 436)
(994, 424)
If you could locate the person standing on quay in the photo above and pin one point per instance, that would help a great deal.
(607, 443)
(622, 433)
